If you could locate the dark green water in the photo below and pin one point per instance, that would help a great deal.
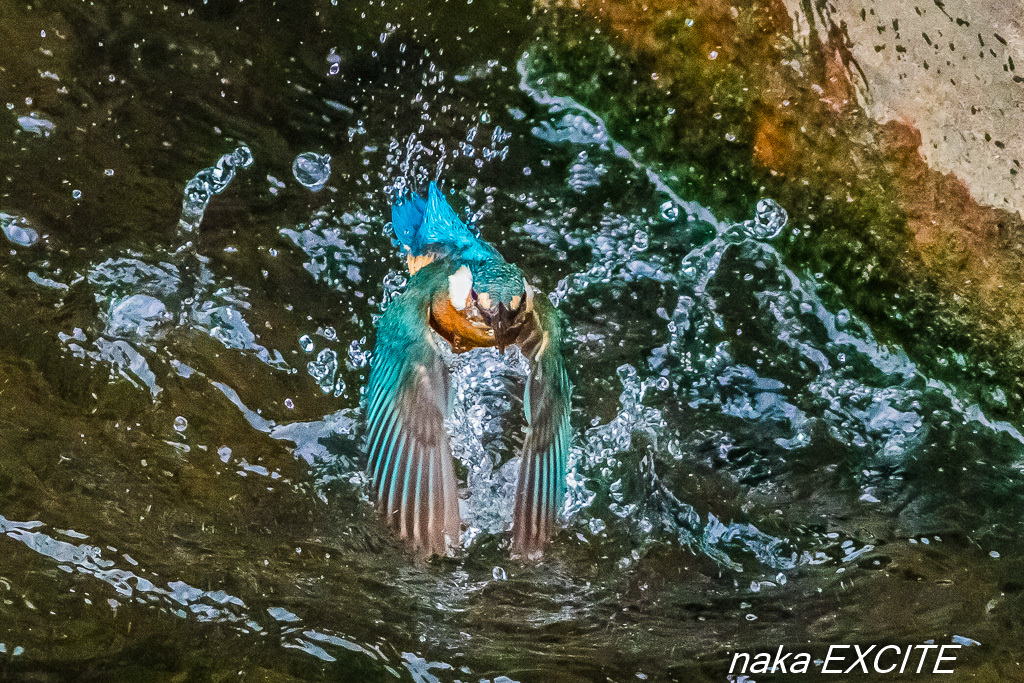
(184, 500)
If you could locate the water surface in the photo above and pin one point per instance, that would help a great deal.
(181, 485)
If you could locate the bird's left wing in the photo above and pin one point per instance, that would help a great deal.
(408, 398)
(547, 402)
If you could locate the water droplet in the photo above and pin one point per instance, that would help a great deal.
(16, 229)
(289, 404)
(306, 342)
(324, 368)
(34, 125)
(312, 170)
(242, 156)
(499, 574)
(180, 424)
(108, 171)
(669, 211)
(334, 69)
(77, 194)
(357, 358)
(769, 220)
(994, 554)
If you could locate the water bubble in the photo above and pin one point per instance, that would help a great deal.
(108, 172)
(358, 358)
(769, 219)
(77, 194)
(499, 574)
(16, 229)
(312, 170)
(197, 191)
(306, 343)
(334, 59)
(994, 554)
(669, 211)
(180, 424)
(242, 156)
(288, 403)
(324, 368)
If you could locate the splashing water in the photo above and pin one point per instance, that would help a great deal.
(312, 170)
(208, 182)
(17, 230)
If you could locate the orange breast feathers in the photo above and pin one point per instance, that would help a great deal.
(456, 318)
(461, 329)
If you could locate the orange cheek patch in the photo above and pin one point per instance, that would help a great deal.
(417, 262)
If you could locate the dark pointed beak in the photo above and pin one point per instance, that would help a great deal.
(505, 322)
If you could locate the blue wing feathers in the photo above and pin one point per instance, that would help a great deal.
(410, 462)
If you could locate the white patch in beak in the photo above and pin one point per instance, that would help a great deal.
(460, 284)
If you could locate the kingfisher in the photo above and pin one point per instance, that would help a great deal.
(460, 292)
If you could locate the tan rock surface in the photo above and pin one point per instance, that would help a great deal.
(954, 70)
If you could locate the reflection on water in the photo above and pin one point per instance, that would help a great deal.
(181, 367)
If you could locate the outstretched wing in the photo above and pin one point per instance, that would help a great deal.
(408, 398)
(547, 402)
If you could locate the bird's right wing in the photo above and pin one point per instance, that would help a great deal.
(408, 398)
(547, 403)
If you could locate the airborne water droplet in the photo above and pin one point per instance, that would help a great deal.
(669, 211)
(17, 231)
(769, 219)
(312, 170)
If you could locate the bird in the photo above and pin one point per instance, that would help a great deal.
(460, 292)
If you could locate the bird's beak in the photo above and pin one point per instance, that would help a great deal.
(503, 324)
(505, 321)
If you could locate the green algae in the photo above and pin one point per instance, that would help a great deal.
(694, 95)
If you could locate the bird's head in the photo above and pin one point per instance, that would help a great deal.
(499, 295)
